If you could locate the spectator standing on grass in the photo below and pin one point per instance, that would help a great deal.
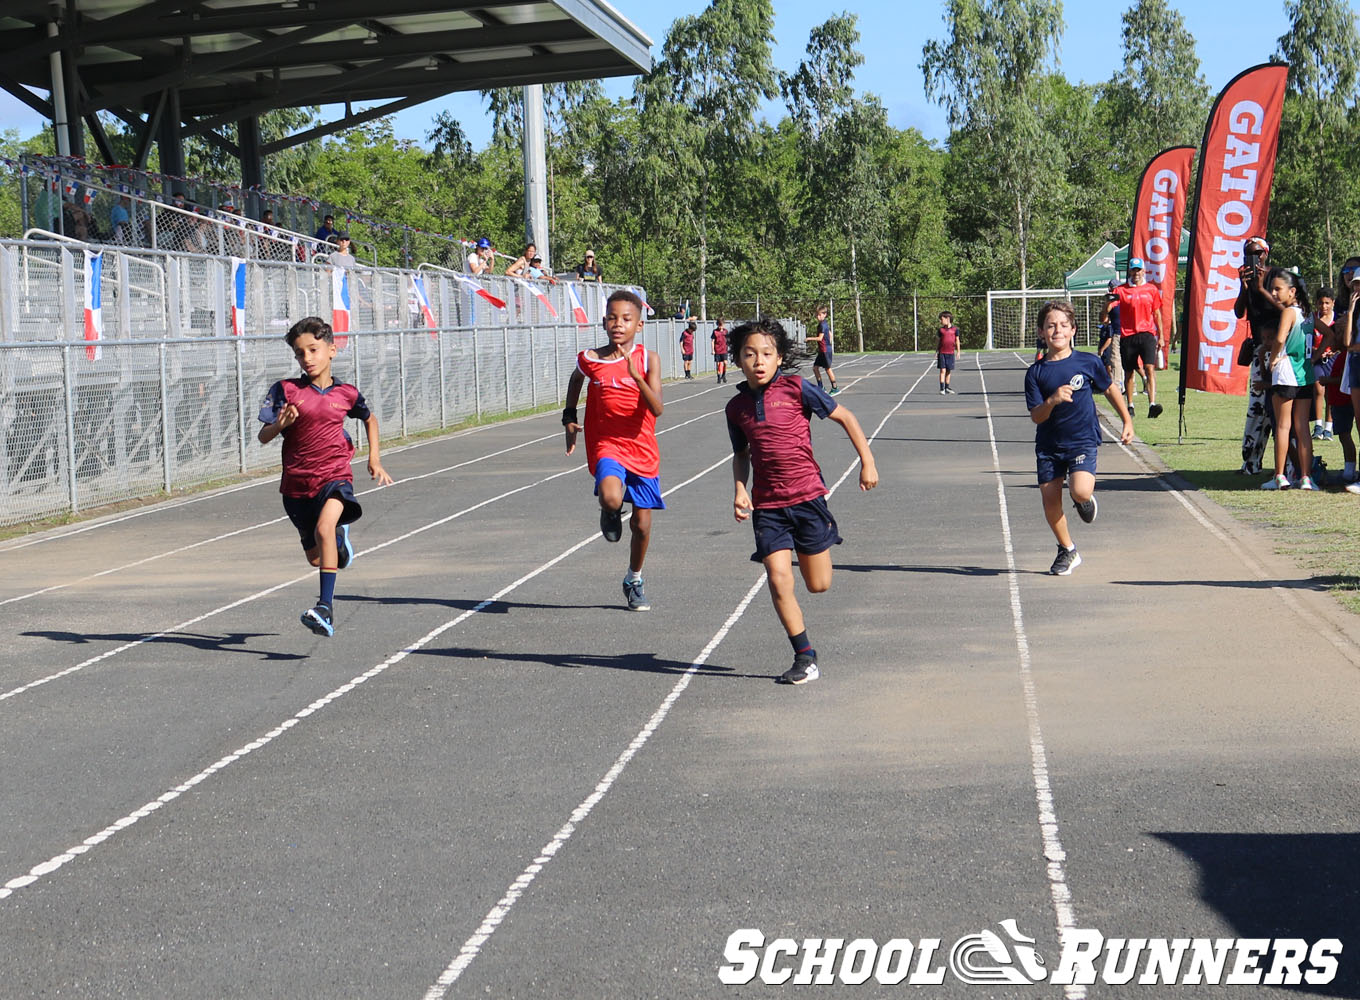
(1291, 377)
(588, 270)
(1324, 349)
(1343, 418)
(1140, 330)
(482, 258)
(1263, 317)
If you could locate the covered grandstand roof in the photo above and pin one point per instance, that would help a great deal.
(230, 60)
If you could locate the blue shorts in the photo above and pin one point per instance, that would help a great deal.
(1343, 419)
(822, 360)
(1059, 465)
(808, 528)
(304, 511)
(1353, 368)
(643, 492)
(944, 362)
(687, 357)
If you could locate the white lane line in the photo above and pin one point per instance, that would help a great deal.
(472, 947)
(1054, 854)
(1319, 624)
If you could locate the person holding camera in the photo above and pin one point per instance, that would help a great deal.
(1140, 330)
(1263, 318)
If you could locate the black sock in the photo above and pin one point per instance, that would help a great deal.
(801, 645)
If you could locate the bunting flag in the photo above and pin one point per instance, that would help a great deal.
(1232, 202)
(340, 305)
(1158, 214)
(538, 293)
(422, 302)
(238, 296)
(94, 303)
(643, 296)
(577, 310)
(477, 287)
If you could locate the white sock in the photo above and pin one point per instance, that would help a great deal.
(1327, 425)
(633, 577)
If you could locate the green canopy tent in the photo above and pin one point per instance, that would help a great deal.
(1121, 257)
(1094, 275)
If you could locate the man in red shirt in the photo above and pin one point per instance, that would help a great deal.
(1140, 330)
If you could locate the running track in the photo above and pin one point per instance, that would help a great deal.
(496, 782)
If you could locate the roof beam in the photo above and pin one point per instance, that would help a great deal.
(350, 121)
(13, 86)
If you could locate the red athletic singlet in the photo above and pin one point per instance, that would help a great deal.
(618, 423)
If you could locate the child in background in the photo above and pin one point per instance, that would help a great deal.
(1343, 417)
(1059, 391)
(687, 347)
(318, 483)
(768, 422)
(945, 350)
(1324, 347)
(719, 338)
(622, 404)
(1291, 377)
(824, 353)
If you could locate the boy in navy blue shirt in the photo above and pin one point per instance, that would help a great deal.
(1059, 392)
(768, 423)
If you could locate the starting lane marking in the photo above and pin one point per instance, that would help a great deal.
(58, 861)
(472, 947)
(1059, 891)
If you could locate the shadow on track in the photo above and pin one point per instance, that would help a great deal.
(228, 643)
(643, 662)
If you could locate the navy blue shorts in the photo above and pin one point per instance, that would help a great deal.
(808, 528)
(687, 357)
(304, 511)
(643, 492)
(1343, 419)
(1059, 465)
(944, 362)
(719, 359)
(822, 360)
(1353, 368)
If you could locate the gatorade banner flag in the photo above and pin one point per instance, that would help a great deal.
(578, 311)
(477, 287)
(1158, 214)
(94, 303)
(538, 294)
(1232, 202)
(422, 302)
(238, 297)
(340, 305)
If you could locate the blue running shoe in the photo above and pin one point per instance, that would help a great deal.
(318, 619)
(344, 550)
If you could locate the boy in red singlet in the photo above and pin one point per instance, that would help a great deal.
(622, 405)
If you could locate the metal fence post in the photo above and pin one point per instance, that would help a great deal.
(68, 380)
(533, 380)
(241, 400)
(401, 377)
(505, 349)
(476, 375)
(557, 367)
(167, 434)
(443, 408)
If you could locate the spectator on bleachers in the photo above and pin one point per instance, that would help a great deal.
(326, 232)
(342, 257)
(482, 258)
(120, 221)
(519, 267)
(588, 270)
(537, 270)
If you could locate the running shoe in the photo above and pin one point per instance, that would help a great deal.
(637, 599)
(1065, 563)
(1317, 432)
(1277, 483)
(1086, 511)
(611, 524)
(1306, 483)
(318, 619)
(835, 391)
(1327, 435)
(804, 669)
(344, 551)
(1353, 488)
(941, 390)
(1155, 410)
(950, 389)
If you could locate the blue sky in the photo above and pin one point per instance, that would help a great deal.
(1231, 36)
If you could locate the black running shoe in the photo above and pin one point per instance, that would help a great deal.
(318, 619)
(1155, 410)
(1067, 561)
(611, 524)
(1086, 511)
(804, 669)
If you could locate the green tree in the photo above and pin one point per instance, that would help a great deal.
(988, 75)
(1315, 205)
(700, 100)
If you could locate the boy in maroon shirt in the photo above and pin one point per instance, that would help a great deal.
(768, 422)
(945, 351)
(318, 484)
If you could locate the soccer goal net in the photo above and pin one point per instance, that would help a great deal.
(1011, 315)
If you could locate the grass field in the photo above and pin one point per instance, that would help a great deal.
(1317, 529)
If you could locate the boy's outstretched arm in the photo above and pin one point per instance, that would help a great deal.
(569, 419)
(375, 469)
(1116, 398)
(868, 471)
(741, 471)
